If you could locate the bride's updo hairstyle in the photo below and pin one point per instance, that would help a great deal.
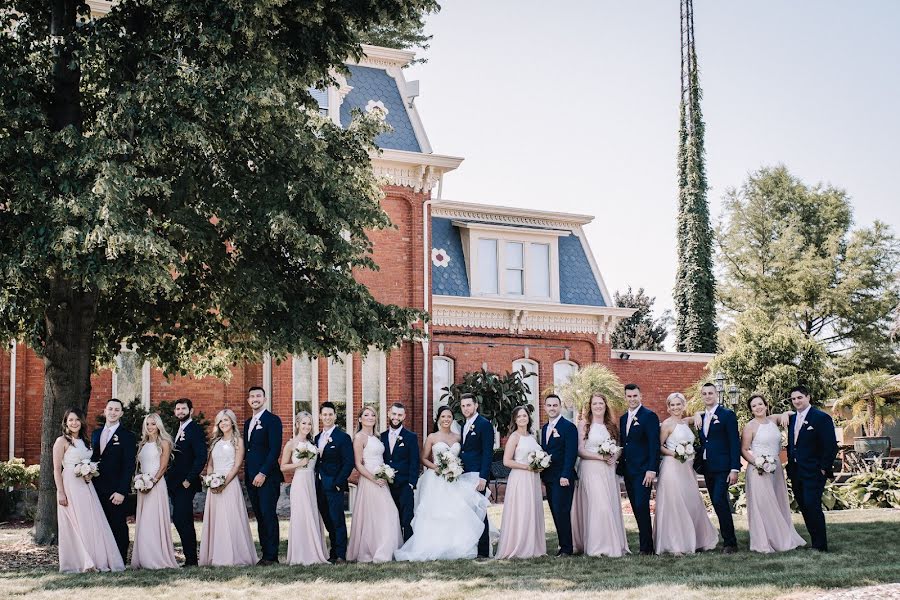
(437, 418)
(515, 414)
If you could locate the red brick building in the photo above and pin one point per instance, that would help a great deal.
(505, 287)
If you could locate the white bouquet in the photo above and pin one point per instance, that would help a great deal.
(608, 448)
(385, 472)
(306, 451)
(86, 469)
(764, 464)
(684, 452)
(449, 466)
(214, 481)
(143, 482)
(538, 460)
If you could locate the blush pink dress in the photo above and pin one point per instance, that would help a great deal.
(375, 531)
(522, 531)
(153, 548)
(306, 537)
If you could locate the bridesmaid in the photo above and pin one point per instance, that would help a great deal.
(522, 532)
(86, 542)
(306, 539)
(768, 511)
(153, 548)
(598, 505)
(682, 525)
(375, 533)
(226, 539)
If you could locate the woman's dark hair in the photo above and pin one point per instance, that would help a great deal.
(82, 433)
(754, 397)
(437, 417)
(515, 413)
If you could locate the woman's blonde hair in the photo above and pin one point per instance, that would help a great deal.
(217, 433)
(298, 418)
(359, 416)
(675, 395)
(161, 434)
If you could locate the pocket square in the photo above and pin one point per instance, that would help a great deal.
(810, 428)
(473, 433)
(555, 433)
(400, 445)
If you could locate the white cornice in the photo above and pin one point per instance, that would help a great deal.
(421, 172)
(508, 215)
(99, 7)
(521, 317)
(377, 56)
(701, 357)
(508, 228)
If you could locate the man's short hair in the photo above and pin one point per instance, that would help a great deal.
(398, 405)
(469, 397)
(799, 388)
(256, 388)
(709, 384)
(549, 396)
(325, 405)
(121, 404)
(187, 401)
(632, 386)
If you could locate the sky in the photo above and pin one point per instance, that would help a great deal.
(572, 106)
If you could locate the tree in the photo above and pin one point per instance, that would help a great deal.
(695, 286)
(166, 182)
(496, 395)
(409, 33)
(770, 357)
(640, 331)
(873, 399)
(790, 250)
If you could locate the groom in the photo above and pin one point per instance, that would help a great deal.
(401, 452)
(720, 459)
(262, 438)
(114, 450)
(559, 439)
(639, 438)
(477, 452)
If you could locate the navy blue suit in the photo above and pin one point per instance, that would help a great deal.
(405, 461)
(332, 471)
(116, 465)
(810, 465)
(263, 446)
(188, 460)
(562, 446)
(722, 448)
(476, 456)
(640, 453)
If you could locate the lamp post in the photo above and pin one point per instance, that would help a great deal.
(733, 391)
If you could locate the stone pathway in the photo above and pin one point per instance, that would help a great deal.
(889, 591)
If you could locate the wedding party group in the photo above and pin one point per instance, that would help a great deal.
(413, 505)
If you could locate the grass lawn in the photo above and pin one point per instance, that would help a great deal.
(865, 551)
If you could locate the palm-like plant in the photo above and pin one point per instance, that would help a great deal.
(873, 399)
(590, 380)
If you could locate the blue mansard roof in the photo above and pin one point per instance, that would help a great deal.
(370, 83)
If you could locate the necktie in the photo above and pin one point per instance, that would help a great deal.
(707, 421)
(104, 439)
(550, 427)
(393, 439)
(798, 424)
(323, 439)
(628, 424)
(253, 423)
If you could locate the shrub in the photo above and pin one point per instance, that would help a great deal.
(878, 488)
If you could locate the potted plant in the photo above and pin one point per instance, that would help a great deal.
(872, 400)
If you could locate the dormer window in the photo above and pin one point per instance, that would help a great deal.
(321, 97)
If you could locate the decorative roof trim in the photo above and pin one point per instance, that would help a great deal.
(421, 172)
(99, 7)
(703, 357)
(505, 215)
(508, 228)
(380, 57)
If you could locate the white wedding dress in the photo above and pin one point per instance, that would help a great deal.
(449, 516)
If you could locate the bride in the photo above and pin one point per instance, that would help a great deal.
(449, 515)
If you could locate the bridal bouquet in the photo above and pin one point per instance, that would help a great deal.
(449, 466)
(385, 472)
(607, 448)
(214, 481)
(143, 482)
(684, 452)
(306, 451)
(764, 464)
(538, 460)
(86, 469)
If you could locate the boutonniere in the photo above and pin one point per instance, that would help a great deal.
(115, 438)
(634, 421)
(181, 436)
(329, 440)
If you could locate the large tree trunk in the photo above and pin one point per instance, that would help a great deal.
(68, 362)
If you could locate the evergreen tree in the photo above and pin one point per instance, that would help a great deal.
(640, 331)
(695, 310)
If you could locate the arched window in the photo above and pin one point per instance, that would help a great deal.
(374, 384)
(533, 383)
(305, 388)
(340, 389)
(562, 371)
(441, 377)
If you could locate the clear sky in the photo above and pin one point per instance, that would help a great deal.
(573, 106)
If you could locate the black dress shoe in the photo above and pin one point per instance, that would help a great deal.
(563, 554)
(729, 549)
(264, 562)
(340, 561)
(646, 553)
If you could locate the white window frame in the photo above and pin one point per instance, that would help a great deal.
(381, 357)
(145, 379)
(313, 391)
(436, 392)
(568, 412)
(471, 233)
(534, 385)
(350, 425)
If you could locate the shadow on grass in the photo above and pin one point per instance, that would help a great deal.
(862, 554)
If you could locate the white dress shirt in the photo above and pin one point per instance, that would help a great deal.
(323, 438)
(253, 421)
(550, 427)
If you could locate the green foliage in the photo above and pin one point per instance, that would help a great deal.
(15, 474)
(833, 497)
(404, 34)
(788, 249)
(872, 399)
(589, 380)
(878, 488)
(640, 331)
(497, 395)
(134, 414)
(770, 358)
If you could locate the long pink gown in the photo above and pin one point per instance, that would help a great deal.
(86, 542)
(375, 531)
(306, 537)
(768, 511)
(681, 525)
(226, 540)
(598, 528)
(153, 547)
(522, 531)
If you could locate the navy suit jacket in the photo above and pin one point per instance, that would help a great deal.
(263, 448)
(563, 450)
(116, 463)
(816, 446)
(336, 461)
(640, 445)
(188, 458)
(722, 443)
(405, 457)
(478, 448)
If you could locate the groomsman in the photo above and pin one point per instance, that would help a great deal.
(720, 459)
(114, 449)
(476, 455)
(401, 452)
(262, 439)
(183, 476)
(639, 438)
(559, 439)
(332, 470)
(812, 447)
